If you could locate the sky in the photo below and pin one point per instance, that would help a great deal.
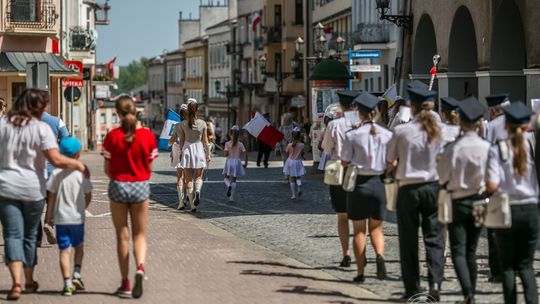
(141, 28)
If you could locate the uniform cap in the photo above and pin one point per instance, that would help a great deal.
(347, 97)
(235, 128)
(421, 94)
(366, 102)
(190, 100)
(471, 110)
(495, 100)
(417, 84)
(69, 146)
(449, 103)
(517, 113)
(296, 129)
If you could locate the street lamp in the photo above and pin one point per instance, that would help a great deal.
(262, 63)
(383, 6)
(319, 29)
(340, 45)
(299, 43)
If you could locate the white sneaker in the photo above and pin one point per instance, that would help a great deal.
(293, 197)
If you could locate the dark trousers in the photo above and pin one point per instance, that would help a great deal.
(463, 236)
(493, 256)
(417, 207)
(519, 244)
(265, 150)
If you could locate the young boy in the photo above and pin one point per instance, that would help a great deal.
(70, 194)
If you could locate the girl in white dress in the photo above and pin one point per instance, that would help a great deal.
(195, 153)
(233, 165)
(176, 153)
(293, 166)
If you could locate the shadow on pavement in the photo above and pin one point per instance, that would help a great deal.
(305, 290)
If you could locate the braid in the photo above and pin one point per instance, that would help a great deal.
(517, 138)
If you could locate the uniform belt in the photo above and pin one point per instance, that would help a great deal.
(465, 193)
(368, 172)
(406, 182)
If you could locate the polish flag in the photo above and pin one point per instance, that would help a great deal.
(261, 128)
(255, 20)
(110, 66)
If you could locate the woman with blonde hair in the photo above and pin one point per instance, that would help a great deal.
(511, 170)
(195, 153)
(129, 152)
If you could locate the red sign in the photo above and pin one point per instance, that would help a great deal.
(75, 66)
(73, 82)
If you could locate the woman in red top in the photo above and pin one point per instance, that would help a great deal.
(129, 152)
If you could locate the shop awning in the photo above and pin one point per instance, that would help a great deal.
(15, 63)
(330, 69)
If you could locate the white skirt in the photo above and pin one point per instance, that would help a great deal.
(176, 153)
(322, 162)
(193, 156)
(294, 167)
(233, 167)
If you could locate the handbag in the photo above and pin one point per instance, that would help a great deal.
(333, 173)
(444, 201)
(479, 212)
(498, 214)
(349, 181)
(391, 188)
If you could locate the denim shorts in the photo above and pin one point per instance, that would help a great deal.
(20, 223)
(69, 235)
(129, 192)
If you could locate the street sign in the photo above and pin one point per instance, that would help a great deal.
(365, 54)
(72, 94)
(73, 82)
(75, 66)
(365, 68)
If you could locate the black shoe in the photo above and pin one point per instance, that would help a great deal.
(381, 268)
(359, 279)
(197, 199)
(467, 300)
(495, 279)
(258, 164)
(194, 210)
(346, 262)
(182, 208)
(229, 189)
(266, 166)
(435, 292)
(406, 297)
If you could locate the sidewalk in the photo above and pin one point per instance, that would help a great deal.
(190, 261)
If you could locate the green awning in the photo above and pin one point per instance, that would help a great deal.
(330, 69)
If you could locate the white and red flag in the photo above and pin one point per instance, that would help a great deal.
(261, 128)
(255, 20)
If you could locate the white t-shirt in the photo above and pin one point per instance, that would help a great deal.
(22, 161)
(70, 187)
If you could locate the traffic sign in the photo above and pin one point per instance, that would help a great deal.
(73, 82)
(365, 68)
(72, 94)
(365, 54)
(75, 66)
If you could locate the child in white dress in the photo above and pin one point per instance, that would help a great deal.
(294, 168)
(233, 165)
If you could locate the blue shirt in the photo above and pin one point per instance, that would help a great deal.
(59, 129)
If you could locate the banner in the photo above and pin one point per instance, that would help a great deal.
(168, 128)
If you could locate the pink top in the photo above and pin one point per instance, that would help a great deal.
(295, 152)
(234, 151)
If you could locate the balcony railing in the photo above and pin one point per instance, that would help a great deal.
(273, 34)
(82, 39)
(30, 14)
(372, 33)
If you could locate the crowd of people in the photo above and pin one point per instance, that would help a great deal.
(38, 150)
(453, 171)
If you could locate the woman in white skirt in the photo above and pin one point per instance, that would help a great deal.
(176, 153)
(195, 153)
(233, 165)
(293, 166)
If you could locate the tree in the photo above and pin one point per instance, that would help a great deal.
(132, 76)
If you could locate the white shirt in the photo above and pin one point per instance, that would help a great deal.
(366, 151)
(496, 129)
(521, 189)
(417, 158)
(463, 163)
(334, 135)
(22, 161)
(70, 187)
(450, 133)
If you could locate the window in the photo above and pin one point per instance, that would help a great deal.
(277, 15)
(366, 85)
(299, 12)
(102, 118)
(24, 11)
(371, 84)
(114, 118)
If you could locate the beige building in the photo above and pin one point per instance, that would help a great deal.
(486, 47)
(197, 70)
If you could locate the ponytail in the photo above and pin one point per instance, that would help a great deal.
(453, 118)
(517, 139)
(126, 110)
(428, 122)
(295, 138)
(234, 137)
(192, 113)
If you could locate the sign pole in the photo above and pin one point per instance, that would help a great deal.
(72, 102)
(350, 72)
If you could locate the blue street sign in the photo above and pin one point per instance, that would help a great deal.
(365, 54)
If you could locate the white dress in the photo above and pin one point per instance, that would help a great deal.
(193, 155)
(233, 164)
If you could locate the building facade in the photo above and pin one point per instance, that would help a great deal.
(175, 62)
(486, 47)
(197, 71)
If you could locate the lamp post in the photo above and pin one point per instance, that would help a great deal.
(383, 6)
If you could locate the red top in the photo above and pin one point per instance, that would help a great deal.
(130, 162)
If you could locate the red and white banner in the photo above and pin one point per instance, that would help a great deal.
(261, 128)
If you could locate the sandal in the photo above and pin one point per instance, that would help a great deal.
(15, 292)
(31, 287)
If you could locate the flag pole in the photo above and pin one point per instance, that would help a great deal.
(436, 60)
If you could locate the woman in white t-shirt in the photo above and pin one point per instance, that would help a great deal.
(26, 143)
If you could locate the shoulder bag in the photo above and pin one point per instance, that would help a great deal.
(444, 206)
(498, 213)
(391, 188)
(349, 181)
(333, 173)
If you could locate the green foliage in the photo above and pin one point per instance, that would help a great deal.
(132, 76)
